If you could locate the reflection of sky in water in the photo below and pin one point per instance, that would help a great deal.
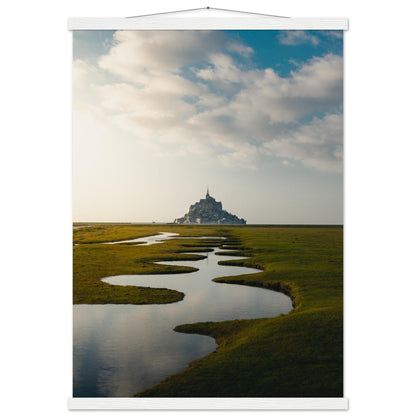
(147, 241)
(157, 239)
(122, 349)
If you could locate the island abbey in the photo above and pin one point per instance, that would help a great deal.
(208, 211)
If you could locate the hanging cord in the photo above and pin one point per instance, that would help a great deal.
(207, 8)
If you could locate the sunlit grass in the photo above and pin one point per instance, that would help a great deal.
(93, 261)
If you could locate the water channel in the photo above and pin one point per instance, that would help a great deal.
(120, 350)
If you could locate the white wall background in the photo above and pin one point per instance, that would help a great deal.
(35, 163)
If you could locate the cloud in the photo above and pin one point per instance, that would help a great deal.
(338, 34)
(182, 93)
(137, 55)
(81, 72)
(317, 144)
(297, 37)
(240, 49)
(246, 156)
(221, 68)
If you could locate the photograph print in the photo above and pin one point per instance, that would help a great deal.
(208, 213)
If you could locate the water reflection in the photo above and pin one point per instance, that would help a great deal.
(147, 241)
(158, 238)
(122, 349)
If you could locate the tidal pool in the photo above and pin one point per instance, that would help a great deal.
(120, 350)
(159, 238)
(147, 241)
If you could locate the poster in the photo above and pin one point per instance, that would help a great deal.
(208, 213)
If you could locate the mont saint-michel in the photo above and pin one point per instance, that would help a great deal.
(208, 211)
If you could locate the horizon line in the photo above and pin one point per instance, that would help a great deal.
(211, 224)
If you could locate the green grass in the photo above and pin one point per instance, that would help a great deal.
(297, 355)
(92, 262)
(98, 233)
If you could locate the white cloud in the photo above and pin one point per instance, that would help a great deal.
(81, 72)
(338, 34)
(246, 156)
(84, 77)
(314, 86)
(143, 108)
(297, 37)
(141, 88)
(138, 55)
(317, 144)
(239, 48)
(221, 70)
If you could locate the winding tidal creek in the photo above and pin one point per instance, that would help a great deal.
(120, 350)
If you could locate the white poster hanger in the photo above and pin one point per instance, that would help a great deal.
(211, 10)
(207, 18)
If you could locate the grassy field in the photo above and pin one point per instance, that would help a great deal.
(297, 355)
(93, 261)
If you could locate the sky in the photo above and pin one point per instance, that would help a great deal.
(255, 115)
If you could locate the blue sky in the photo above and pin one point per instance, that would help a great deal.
(269, 51)
(256, 115)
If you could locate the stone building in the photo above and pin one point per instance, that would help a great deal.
(208, 211)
